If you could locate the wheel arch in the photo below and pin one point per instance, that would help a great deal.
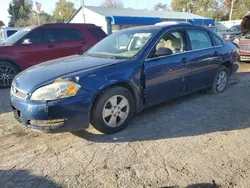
(228, 64)
(12, 62)
(126, 84)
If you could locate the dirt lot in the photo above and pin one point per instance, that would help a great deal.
(201, 140)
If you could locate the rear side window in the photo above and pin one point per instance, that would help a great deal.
(97, 32)
(70, 35)
(217, 41)
(11, 32)
(199, 39)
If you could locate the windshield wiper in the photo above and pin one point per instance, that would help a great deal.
(102, 56)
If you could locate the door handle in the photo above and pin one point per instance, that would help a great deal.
(51, 46)
(184, 60)
(216, 53)
(83, 42)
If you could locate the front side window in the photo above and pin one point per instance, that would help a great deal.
(34, 37)
(69, 35)
(123, 44)
(199, 39)
(171, 43)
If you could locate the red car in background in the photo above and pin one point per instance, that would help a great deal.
(33, 45)
(243, 40)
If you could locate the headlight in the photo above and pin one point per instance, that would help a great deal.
(57, 90)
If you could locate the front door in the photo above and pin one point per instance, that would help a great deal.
(165, 74)
(38, 46)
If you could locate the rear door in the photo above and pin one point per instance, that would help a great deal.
(71, 41)
(205, 57)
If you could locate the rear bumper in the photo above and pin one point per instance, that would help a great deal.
(64, 115)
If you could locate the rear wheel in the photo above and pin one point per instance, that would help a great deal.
(113, 110)
(7, 73)
(220, 80)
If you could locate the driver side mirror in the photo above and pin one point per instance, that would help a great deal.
(163, 52)
(27, 42)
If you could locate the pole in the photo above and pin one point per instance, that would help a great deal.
(13, 13)
(38, 19)
(231, 11)
(84, 20)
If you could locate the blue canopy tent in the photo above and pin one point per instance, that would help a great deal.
(119, 20)
(128, 16)
(201, 21)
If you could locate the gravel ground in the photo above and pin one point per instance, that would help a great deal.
(201, 140)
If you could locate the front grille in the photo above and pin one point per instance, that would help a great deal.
(18, 93)
(17, 115)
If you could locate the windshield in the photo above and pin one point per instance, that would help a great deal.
(16, 36)
(235, 28)
(1, 35)
(123, 44)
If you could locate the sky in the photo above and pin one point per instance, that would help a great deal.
(49, 5)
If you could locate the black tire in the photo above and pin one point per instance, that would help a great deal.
(15, 70)
(214, 88)
(97, 111)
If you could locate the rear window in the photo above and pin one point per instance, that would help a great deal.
(217, 41)
(97, 32)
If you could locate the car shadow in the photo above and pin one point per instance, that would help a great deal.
(201, 185)
(5, 101)
(24, 179)
(196, 114)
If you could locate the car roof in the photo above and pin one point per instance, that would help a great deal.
(164, 26)
(68, 25)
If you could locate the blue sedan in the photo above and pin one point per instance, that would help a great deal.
(123, 74)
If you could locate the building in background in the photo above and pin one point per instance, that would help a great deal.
(115, 19)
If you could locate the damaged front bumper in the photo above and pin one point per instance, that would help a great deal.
(71, 114)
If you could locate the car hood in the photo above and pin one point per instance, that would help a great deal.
(44, 73)
(2, 46)
(231, 33)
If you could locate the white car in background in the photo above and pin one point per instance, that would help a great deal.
(6, 32)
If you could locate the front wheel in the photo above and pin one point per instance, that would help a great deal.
(7, 73)
(113, 110)
(220, 80)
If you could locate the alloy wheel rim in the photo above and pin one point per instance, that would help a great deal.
(116, 110)
(7, 74)
(221, 81)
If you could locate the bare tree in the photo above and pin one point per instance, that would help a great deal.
(112, 4)
(161, 7)
(1, 23)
